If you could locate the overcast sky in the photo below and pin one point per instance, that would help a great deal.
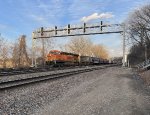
(19, 17)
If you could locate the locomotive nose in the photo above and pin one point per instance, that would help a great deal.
(49, 55)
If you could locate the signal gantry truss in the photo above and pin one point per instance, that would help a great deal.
(77, 30)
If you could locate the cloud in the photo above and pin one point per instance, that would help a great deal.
(2, 26)
(97, 16)
(37, 18)
(115, 52)
(76, 9)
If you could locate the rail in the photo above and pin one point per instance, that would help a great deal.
(31, 78)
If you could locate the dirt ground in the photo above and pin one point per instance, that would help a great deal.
(118, 91)
(109, 91)
(146, 76)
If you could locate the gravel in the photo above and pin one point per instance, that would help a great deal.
(119, 91)
(110, 91)
(29, 99)
(31, 75)
(146, 76)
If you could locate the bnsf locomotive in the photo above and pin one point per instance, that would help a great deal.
(59, 58)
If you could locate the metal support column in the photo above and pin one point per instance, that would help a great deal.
(124, 50)
(34, 41)
(33, 52)
(32, 49)
(43, 52)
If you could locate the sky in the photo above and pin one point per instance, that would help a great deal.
(19, 17)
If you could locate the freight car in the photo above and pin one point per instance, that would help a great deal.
(59, 58)
(95, 60)
(85, 60)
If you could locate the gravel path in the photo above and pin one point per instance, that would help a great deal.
(111, 91)
(117, 92)
(29, 99)
(146, 76)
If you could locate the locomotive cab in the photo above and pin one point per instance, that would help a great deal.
(59, 58)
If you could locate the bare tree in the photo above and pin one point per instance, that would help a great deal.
(84, 46)
(4, 55)
(23, 56)
(138, 29)
(19, 55)
(79, 45)
(15, 55)
(139, 25)
(100, 51)
(4, 51)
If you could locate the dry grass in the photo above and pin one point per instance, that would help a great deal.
(146, 76)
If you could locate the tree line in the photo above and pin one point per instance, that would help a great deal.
(84, 46)
(14, 54)
(18, 54)
(138, 31)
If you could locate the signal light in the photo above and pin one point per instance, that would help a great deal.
(101, 25)
(84, 27)
(68, 28)
(42, 30)
(55, 30)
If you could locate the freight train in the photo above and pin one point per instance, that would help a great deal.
(60, 58)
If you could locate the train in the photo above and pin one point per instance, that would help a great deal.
(60, 58)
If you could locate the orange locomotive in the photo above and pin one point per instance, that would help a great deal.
(59, 58)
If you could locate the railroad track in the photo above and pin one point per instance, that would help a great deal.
(28, 80)
(11, 72)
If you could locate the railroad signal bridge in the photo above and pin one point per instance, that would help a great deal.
(77, 30)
